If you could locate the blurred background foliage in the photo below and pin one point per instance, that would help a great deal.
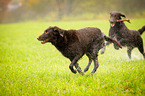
(58, 10)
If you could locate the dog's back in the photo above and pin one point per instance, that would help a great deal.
(88, 35)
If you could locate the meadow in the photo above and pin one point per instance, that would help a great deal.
(29, 68)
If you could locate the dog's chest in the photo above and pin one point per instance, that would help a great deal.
(70, 51)
(117, 33)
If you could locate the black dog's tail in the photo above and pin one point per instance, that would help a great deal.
(141, 30)
(117, 45)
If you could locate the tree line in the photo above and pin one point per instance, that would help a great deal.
(67, 9)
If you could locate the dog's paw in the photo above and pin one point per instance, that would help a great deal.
(74, 71)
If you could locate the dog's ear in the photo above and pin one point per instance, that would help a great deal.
(111, 13)
(121, 14)
(58, 30)
(118, 13)
(61, 34)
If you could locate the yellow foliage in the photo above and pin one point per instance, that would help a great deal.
(32, 2)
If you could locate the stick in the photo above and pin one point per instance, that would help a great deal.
(124, 20)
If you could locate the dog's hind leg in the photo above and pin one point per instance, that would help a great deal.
(96, 65)
(89, 63)
(140, 48)
(129, 49)
(103, 50)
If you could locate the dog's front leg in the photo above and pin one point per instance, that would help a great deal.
(74, 61)
(124, 42)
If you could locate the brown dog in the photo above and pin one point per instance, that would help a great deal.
(123, 35)
(73, 44)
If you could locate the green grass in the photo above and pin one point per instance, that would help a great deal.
(29, 68)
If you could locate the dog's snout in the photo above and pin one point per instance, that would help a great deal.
(38, 38)
(111, 21)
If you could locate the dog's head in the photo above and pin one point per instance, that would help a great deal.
(114, 17)
(51, 34)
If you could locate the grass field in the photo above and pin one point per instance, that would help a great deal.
(29, 68)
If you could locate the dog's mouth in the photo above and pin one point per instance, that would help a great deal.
(112, 24)
(43, 42)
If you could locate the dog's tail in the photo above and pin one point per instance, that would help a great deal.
(117, 45)
(141, 30)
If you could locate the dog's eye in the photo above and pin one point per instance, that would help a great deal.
(116, 16)
(45, 32)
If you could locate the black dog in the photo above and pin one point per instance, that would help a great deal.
(123, 35)
(73, 44)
